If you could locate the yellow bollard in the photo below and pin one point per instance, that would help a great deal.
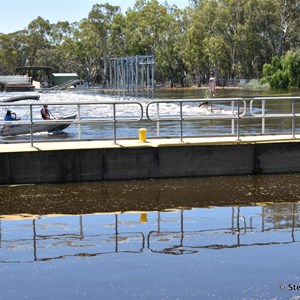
(143, 218)
(142, 135)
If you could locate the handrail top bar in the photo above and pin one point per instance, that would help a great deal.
(275, 98)
(124, 102)
(225, 99)
(195, 100)
(72, 103)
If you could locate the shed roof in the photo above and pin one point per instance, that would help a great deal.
(64, 74)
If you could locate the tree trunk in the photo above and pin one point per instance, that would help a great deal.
(283, 28)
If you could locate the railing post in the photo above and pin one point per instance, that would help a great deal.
(31, 129)
(115, 129)
(263, 120)
(181, 121)
(238, 120)
(293, 118)
(157, 123)
(79, 125)
(232, 120)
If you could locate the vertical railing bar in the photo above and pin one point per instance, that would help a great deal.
(78, 125)
(263, 120)
(115, 129)
(238, 120)
(31, 129)
(181, 123)
(157, 123)
(293, 117)
(232, 120)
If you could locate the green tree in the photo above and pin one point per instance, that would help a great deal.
(227, 38)
(283, 72)
(8, 55)
(89, 49)
(155, 29)
(37, 38)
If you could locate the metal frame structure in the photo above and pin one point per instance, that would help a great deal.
(132, 73)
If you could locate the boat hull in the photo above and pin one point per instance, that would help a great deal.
(18, 129)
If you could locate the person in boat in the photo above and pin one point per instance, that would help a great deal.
(11, 116)
(46, 115)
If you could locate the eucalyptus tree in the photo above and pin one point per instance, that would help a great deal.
(101, 19)
(248, 37)
(155, 29)
(193, 50)
(235, 38)
(56, 56)
(210, 50)
(37, 38)
(194, 3)
(89, 49)
(168, 48)
(117, 37)
(8, 55)
(288, 12)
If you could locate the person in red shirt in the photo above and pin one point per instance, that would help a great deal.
(45, 113)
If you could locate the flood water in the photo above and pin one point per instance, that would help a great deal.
(231, 237)
(199, 238)
(102, 110)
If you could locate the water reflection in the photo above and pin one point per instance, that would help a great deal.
(175, 217)
(177, 232)
(204, 238)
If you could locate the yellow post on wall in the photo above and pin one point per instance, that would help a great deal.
(142, 135)
(143, 217)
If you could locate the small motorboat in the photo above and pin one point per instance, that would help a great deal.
(18, 127)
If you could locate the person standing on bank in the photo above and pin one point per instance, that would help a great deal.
(46, 115)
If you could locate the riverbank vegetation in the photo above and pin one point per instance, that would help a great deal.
(228, 39)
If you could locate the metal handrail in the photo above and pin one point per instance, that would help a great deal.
(237, 110)
(114, 119)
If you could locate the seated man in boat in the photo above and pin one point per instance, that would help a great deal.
(45, 113)
(11, 116)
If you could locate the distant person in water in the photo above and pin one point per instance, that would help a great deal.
(45, 113)
(10, 116)
(204, 104)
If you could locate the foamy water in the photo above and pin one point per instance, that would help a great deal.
(99, 106)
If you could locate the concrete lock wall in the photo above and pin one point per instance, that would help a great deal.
(59, 166)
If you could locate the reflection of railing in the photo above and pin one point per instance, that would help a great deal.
(239, 116)
(41, 243)
(75, 244)
(190, 242)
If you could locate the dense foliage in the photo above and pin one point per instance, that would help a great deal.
(283, 72)
(227, 38)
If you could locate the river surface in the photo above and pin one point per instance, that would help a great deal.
(96, 106)
(200, 238)
(233, 237)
